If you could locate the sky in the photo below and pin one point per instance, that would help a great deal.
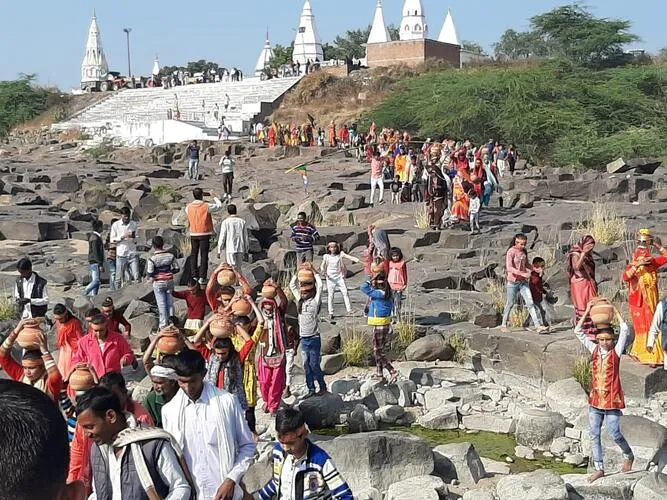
(48, 38)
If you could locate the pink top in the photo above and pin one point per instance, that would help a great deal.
(516, 262)
(116, 350)
(398, 275)
(376, 168)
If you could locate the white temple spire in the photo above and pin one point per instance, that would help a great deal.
(265, 56)
(307, 44)
(94, 67)
(413, 24)
(379, 32)
(156, 66)
(449, 34)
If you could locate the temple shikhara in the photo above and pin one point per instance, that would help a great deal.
(94, 68)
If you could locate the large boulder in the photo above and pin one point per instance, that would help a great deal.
(567, 397)
(538, 428)
(445, 417)
(429, 488)
(539, 485)
(458, 461)
(379, 459)
(35, 229)
(143, 325)
(361, 419)
(322, 411)
(67, 183)
(437, 397)
(429, 348)
(438, 374)
(489, 423)
(652, 487)
(332, 363)
(616, 486)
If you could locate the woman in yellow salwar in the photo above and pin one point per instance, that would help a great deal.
(642, 279)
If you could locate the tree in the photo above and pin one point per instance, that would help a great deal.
(200, 66)
(473, 47)
(582, 38)
(281, 55)
(394, 32)
(20, 101)
(521, 45)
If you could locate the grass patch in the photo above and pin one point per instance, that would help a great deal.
(255, 190)
(518, 317)
(460, 346)
(356, 345)
(406, 330)
(166, 193)
(101, 151)
(496, 289)
(421, 217)
(337, 219)
(604, 224)
(183, 244)
(8, 309)
(582, 371)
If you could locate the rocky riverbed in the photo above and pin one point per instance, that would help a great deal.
(517, 384)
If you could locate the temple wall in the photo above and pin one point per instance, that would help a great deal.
(411, 52)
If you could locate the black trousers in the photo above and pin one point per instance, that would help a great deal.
(199, 260)
(227, 182)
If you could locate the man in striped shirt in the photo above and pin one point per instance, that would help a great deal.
(304, 235)
(301, 470)
(160, 267)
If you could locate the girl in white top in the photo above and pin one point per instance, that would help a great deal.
(333, 268)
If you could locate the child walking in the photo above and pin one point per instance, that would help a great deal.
(606, 397)
(537, 288)
(195, 298)
(475, 206)
(396, 190)
(334, 269)
(518, 282)
(379, 317)
(398, 279)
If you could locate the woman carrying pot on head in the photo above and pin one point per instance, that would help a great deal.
(583, 287)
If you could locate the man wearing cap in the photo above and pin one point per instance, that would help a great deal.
(606, 396)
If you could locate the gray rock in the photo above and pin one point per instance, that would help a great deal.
(429, 488)
(438, 375)
(66, 183)
(539, 485)
(379, 459)
(382, 395)
(322, 411)
(560, 446)
(406, 388)
(330, 342)
(478, 495)
(521, 451)
(143, 325)
(429, 348)
(34, 230)
(651, 487)
(567, 398)
(489, 423)
(538, 428)
(494, 467)
(437, 397)
(361, 419)
(458, 461)
(345, 385)
(616, 486)
(488, 319)
(332, 363)
(261, 470)
(368, 494)
(389, 414)
(573, 459)
(444, 417)
(354, 202)
(60, 276)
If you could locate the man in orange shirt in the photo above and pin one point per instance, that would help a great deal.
(200, 223)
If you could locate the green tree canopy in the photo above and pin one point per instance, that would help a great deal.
(281, 55)
(192, 67)
(20, 101)
(473, 47)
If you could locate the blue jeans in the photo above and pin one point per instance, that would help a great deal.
(164, 299)
(121, 266)
(522, 288)
(193, 169)
(310, 349)
(111, 265)
(613, 417)
(93, 287)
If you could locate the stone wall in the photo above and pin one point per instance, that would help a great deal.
(411, 52)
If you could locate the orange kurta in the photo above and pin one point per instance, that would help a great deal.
(461, 204)
(643, 298)
(606, 391)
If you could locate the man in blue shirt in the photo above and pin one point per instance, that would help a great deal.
(193, 163)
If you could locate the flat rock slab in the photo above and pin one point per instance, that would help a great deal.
(614, 486)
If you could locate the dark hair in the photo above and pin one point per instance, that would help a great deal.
(99, 319)
(224, 343)
(302, 214)
(108, 302)
(518, 236)
(385, 284)
(189, 362)
(24, 264)
(198, 194)
(125, 211)
(98, 225)
(32, 354)
(113, 379)
(168, 361)
(227, 289)
(60, 309)
(231, 209)
(396, 251)
(99, 400)
(538, 261)
(34, 450)
(288, 420)
(158, 242)
(93, 312)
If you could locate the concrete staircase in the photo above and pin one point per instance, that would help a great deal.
(128, 108)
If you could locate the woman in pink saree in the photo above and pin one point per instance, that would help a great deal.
(583, 287)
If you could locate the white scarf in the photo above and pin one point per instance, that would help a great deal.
(173, 416)
(40, 384)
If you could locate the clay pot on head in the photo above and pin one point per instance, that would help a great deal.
(602, 312)
(227, 277)
(269, 292)
(377, 267)
(305, 275)
(82, 378)
(241, 308)
(28, 337)
(171, 341)
(221, 327)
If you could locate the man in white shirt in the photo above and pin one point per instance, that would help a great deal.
(30, 292)
(658, 329)
(209, 425)
(227, 164)
(234, 238)
(123, 234)
(128, 460)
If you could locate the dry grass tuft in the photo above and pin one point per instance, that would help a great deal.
(406, 329)
(183, 244)
(255, 190)
(582, 371)
(421, 217)
(604, 224)
(8, 309)
(518, 316)
(460, 346)
(356, 345)
(496, 289)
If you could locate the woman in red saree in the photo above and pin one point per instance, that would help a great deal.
(642, 279)
(583, 287)
(272, 136)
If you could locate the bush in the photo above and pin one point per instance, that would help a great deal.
(460, 346)
(583, 372)
(8, 310)
(604, 224)
(421, 217)
(518, 316)
(357, 346)
(20, 101)
(406, 330)
(100, 151)
(166, 193)
(496, 289)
